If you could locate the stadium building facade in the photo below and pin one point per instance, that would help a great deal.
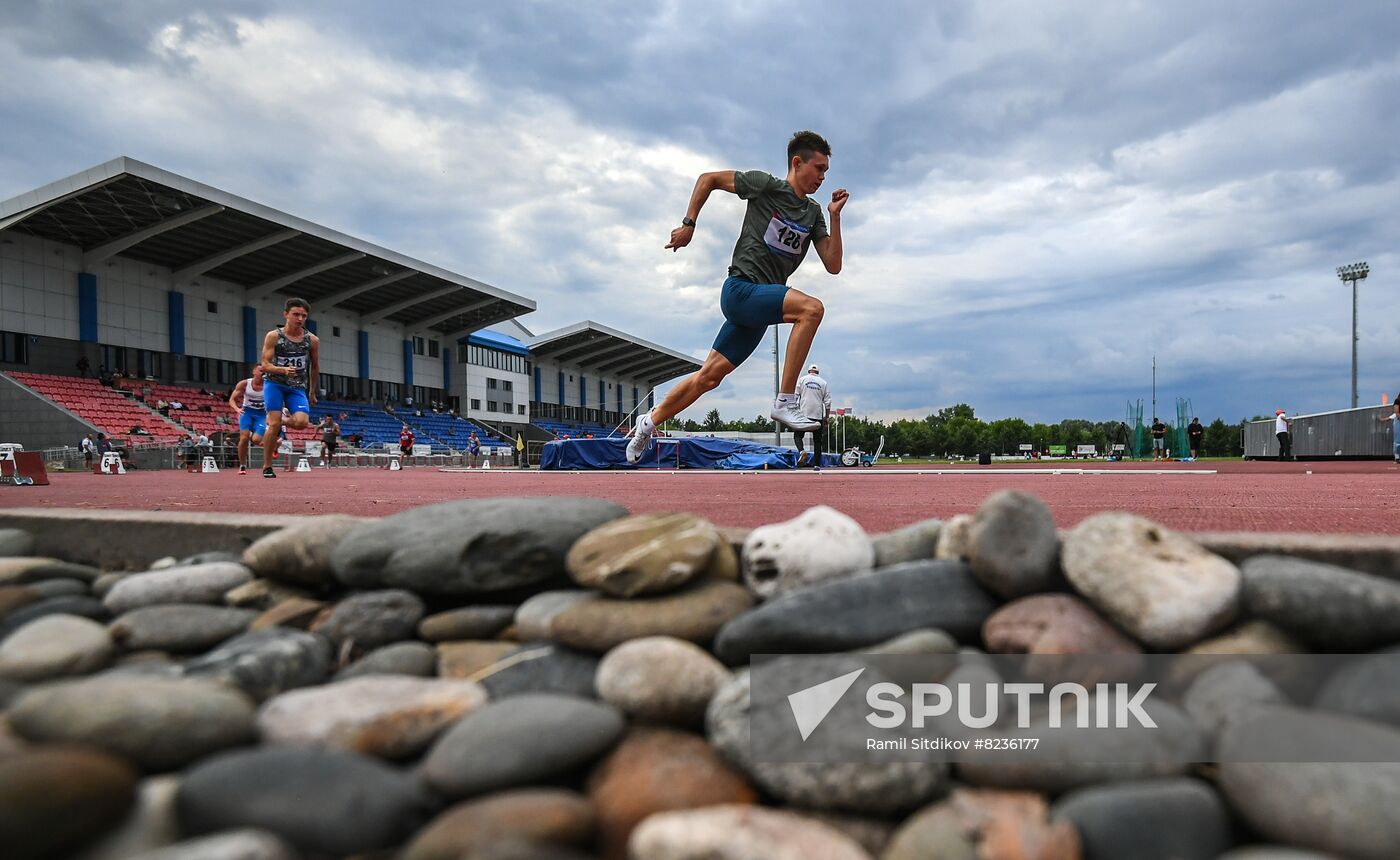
(171, 281)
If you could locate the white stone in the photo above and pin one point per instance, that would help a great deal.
(955, 539)
(1159, 586)
(821, 544)
(736, 832)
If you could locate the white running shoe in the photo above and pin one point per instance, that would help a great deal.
(641, 438)
(785, 413)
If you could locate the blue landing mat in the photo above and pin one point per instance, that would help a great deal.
(671, 453)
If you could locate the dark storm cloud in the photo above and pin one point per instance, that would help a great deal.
(115, 32)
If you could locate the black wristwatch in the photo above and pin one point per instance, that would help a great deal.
(687, 222)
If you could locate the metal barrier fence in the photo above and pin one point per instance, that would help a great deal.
(1344, 433)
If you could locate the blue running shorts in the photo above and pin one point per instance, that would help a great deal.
(279, 396)
(252, 421)
(749, 309)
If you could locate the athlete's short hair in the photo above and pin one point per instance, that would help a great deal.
(805, 143)
(296, 303)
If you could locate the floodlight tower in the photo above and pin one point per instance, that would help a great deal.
(1353, 272)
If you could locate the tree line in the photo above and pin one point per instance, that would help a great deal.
(957, 431)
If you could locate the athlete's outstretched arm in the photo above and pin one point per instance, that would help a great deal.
(235, 398)
(829, 247)
(720, 180)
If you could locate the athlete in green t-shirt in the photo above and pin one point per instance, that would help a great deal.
(781, 222)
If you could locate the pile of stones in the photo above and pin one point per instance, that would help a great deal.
(528, 679)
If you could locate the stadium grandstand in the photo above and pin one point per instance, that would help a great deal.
(132, 300)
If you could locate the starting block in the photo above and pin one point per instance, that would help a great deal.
(394, 465)
(303, 465)
(210, 466)
(112, 464)
(22, 468)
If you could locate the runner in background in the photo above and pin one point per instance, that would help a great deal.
(246, 400)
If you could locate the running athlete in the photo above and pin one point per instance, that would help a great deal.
(782, 221)
(291, 362)
(330, 436)
(246, 401)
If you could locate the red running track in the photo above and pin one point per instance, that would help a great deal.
(1337, 497)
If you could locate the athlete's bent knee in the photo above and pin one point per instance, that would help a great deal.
(708, 379)
(813, 310)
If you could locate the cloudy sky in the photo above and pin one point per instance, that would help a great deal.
(1043, 195)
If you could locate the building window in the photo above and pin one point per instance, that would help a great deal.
(147, 364)
(505, 385)
(14, 348)
(521, 407)
(197, 369)
(335, 331)
(433, 348)
(491, 406)
(491, 382)
(228, 373)
(476, 404)
(213, 307)
(418, 346)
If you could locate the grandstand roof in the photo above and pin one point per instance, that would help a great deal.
(130, 208)
(496, 340)
(597, 347)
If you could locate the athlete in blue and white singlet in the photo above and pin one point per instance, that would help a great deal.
(247, 399)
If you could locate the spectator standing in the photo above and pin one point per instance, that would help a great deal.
(1194, 434)
(814, 403)
(1283, 429)
(83, 366)
(473, 450)
(1394, 418)
(1159, 439)
(89, 448)
(189, 448)
(406, 441)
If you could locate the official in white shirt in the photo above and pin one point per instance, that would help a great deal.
(813, 402)
(1283, 429)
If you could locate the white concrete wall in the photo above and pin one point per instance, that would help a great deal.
(38, 286)
(549, 387)
(476, 390)
(39, 296)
